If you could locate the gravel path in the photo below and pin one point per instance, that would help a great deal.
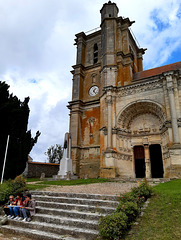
(108, 188)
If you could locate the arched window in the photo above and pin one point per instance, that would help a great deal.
(95, 53)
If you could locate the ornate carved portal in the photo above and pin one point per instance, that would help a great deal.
(141, 125)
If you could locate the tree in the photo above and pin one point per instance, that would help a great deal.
(54, 153)
(14, 116)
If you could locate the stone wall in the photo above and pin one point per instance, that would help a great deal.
(35, 169)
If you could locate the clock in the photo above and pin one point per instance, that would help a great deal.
(93, 91)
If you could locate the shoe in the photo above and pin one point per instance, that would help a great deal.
(20, 218)
(16, 218)
(24, 220)
(28, 220)
(12, 217)
(5, 215)
(9, 216)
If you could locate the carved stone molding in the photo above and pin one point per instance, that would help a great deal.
(109, 100)
(179, 81)
(166, 155)
(167, 124)
(170, 89)
(104, 129)
(136, 109)
(140, 87)
(109, 89)
(125, 157)
(114, 131)
(91, 120)
(179, 122)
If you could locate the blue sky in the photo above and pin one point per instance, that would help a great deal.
(37, 51)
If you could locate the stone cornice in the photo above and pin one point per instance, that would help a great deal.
(78, 66)
(109, 88)
(139, 87)
(86, 147)
(82, 104)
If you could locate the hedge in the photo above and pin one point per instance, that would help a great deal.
(12, 187)
(115, 226)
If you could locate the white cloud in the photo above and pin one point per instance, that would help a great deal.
(37, 52)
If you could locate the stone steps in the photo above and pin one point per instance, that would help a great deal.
(68, 213)
(76, 195)
(64, 216)
(35, 234)
(73, 222)
(61, 230)
(55, 199)
(78, 207)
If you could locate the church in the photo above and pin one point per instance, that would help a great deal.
(124, 122)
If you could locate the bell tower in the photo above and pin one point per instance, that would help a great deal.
(106, 60)
(109, 14)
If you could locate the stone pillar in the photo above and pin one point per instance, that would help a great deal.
(176, 94)
(172, 106)
(147, 161)
(109, 121)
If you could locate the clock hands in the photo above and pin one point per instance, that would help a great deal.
(93, 91)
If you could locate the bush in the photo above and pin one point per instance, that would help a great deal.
(128, 197)
(12, 187)
(113, 226)
(132, 197)
(144, 190)
(131, 209)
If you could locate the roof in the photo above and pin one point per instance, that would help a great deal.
(156, 71)
(41, 163)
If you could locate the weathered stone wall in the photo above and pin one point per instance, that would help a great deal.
(132, 107)
(90, 162)
(35, 169)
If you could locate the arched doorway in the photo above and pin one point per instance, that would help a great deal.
(156, 161)
(141, 123)
(139, 157)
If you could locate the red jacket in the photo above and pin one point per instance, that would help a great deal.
(16, 201)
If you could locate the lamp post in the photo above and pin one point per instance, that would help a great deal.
(5, 159)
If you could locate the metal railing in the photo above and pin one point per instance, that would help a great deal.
(93, 30)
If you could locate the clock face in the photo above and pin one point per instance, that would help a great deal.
(93, 91)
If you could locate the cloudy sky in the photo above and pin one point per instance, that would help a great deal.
(37, 51)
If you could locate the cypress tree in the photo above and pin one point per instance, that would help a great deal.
(14, 116)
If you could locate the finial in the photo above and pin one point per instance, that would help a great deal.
(109, 2)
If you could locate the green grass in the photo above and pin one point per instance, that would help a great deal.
(162, 218)
(33, 179)
(75, 182)
(32, 187)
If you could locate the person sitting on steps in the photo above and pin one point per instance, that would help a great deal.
(14, 210)
(28, 209)
(7, 208)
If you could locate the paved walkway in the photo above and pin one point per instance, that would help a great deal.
(109, 188)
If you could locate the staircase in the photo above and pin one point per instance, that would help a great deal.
(65, 216)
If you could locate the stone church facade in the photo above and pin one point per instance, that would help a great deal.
(124, 122)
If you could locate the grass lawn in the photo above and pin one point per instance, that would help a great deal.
(33, 179)
(32, 187)
(75, 182)
(162, 218)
